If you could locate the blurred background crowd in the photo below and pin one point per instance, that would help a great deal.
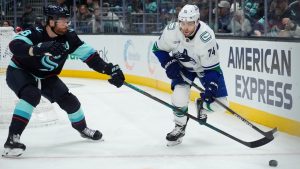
(265, 18)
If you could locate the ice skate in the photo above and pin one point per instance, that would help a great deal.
(175, 136)
(91, 134)
(199, 107)
(13, 147)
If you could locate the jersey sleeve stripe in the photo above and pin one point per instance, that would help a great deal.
(211, 67)
(23, 38)
(155, 47)
(12, 64)
(83, 52)
(76, 116)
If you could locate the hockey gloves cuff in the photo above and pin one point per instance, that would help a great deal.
(52, 47)
(117, 76)
(173, 69)
(210, 92)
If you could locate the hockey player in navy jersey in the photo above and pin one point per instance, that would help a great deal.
(39, 54)
(194, 53)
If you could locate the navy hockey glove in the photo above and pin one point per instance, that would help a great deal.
(173, 69)
(52, 47)
(117, 76)
(210, 92)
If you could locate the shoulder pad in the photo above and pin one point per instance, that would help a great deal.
(170, 33)
(205, 36)
(205, 33)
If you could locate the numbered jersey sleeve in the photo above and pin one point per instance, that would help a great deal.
(166, 43)
(208, 51)
(21, 43)
(207, 48)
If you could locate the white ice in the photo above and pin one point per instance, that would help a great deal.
(134, 129)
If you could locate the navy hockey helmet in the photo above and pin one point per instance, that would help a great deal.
(56, 11)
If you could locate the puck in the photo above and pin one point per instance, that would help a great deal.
(273, 163)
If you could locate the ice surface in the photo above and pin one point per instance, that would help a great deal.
(134, 129)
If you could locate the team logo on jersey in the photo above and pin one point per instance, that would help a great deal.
(205, 36)
(184, 57)
(48, 64)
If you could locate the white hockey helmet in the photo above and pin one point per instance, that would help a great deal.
(189, 13)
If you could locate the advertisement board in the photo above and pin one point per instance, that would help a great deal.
(261, 76)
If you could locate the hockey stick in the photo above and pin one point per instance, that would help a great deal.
(268, 134)
(252, 144)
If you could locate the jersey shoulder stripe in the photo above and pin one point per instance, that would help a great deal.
(23, 38)
(31, 36)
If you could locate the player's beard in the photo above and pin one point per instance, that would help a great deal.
(189, 33)
(60, 31)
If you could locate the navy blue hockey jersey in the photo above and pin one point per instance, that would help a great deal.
(46, 66)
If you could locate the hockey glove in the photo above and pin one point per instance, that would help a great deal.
(209, 93)
(117, 76)
(173, 69)
(52, 47)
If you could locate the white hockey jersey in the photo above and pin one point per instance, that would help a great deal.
(195, 55)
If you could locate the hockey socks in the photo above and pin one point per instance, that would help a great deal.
(176, 135)
(21, 117)
(77, 119)
(78, 122)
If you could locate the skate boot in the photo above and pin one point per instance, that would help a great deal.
(91, 134)
(200, 115)
(13, 147)
(175, 136)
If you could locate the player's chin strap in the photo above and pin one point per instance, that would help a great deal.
(268, 134)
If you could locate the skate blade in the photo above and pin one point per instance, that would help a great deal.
(174, 143)
(91, 140)
(12, 153)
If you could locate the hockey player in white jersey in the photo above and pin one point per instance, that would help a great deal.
(189, 47)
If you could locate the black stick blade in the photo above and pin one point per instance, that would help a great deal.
(261, 142)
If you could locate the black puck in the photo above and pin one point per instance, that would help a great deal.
(273, 163)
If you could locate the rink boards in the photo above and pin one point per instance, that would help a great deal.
(261, 76)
